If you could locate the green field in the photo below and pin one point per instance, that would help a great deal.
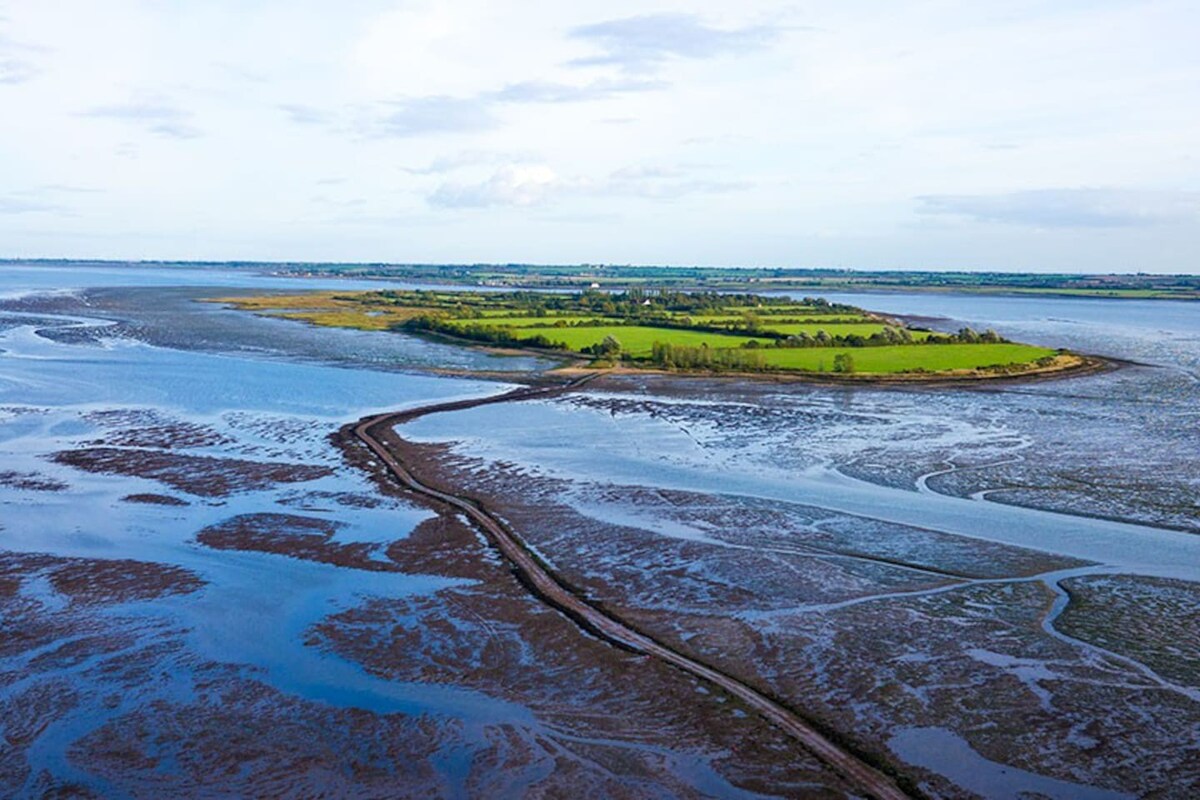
(832, 328)
(549, 316)
(635, 340)
(893, 359)
(767, 319)
(529, 322)
(547, 326)
(632, 324)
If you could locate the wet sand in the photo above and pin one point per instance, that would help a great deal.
(872, 627)
(563, 597)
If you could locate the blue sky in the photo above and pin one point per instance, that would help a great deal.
(1016, 135)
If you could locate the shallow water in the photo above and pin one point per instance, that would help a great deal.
(18, 278)
(274, 390)
(644, 451)
(942, 751)
(48, 390)
(256, 608)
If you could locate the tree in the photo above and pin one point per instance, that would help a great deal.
(609, 347)
(843, 362)
(990, 336)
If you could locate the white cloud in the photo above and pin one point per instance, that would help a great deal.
(157, 116)
(16, 70)
(512, 185)
(19, 60)
(537, 91)
(524, 185)
(305, 115)
(759, 132)
(436, 114)
(642, 42)
(15, 204)
(471, 158)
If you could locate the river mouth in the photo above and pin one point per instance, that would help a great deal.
(183, 542)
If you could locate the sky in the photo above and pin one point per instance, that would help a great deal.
(1032, 135)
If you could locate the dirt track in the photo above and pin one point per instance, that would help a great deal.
(554, 591)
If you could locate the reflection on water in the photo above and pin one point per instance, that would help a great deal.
(652, 451)
(60, 391)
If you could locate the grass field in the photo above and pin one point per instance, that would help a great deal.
(353, 318)
(529, 322)
(635, 340)
(551, 314)
(525, 327)
(837, 326)
(523, 317)
(333, 309)
(768, 319)
(893, 359)
(270, 302)
(832, 328)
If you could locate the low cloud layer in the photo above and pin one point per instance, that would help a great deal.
(21, 205)
(537, 91)
(418, 116)
(524, 185)
(642, 43)
(1070, 208)
(407, 117)
(155, 116)
(19, 61)
(305, 115)
(16, 70)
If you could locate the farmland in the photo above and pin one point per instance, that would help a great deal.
(635, 340)
(674, 331)
(898, 359)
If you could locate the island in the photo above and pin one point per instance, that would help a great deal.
(676, 331)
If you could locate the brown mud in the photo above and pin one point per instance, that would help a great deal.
(149, 498)
(615, 717)
(871, 630)
(306, 538)
(203, 476)
(148, 428)
(379, 436)
(31, 481)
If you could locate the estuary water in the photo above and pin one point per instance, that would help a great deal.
(1102, 468)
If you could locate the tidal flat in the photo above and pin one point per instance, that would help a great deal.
(205, 588)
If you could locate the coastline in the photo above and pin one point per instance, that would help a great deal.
(1064, 364)
(1077, 366)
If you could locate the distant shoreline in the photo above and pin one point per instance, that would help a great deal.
(814, 280)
